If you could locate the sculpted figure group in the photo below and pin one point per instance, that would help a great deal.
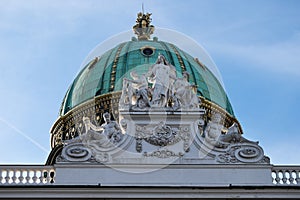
(214, 133)
(167, 91)
(103, 136)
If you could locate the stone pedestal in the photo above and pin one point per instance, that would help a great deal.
(161, 136)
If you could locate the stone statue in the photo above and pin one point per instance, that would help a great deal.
(138, 88)
(160, 75)
(126, 96)
(167, 90)
(234, 135)
(214, 136)
(111, 129)
(102, 136)
(172, 100)
(213, 130)
(184, 94)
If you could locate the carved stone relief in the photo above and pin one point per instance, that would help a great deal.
(243, 153)
(162, 135)
(76, 152)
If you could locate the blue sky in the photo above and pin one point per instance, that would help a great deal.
(255, 44)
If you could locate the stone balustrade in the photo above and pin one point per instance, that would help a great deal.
(45, 175)
(27, 175)
(286, 175)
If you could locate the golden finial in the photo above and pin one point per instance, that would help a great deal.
(142, 28)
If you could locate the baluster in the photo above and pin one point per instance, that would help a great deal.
(41, 177)
(284, 179)
(287, 176)
(45, 176)
(21, 177)
(274, 175)
(1, 177)
(49, 178)
(8, 177)
(277, 179)
(34, 177)
(17, 176)
(13, 177)
(31, 175)
(52, 175)
(38, 175)
(291, 179)
(27, 177)
(297, 177)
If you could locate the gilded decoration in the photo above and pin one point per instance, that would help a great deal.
(114, 68)
(143, 28)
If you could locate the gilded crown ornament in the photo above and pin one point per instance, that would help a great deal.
(143, 29)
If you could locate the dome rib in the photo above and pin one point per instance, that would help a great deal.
(100, 85)
(182, 65)
(114, 68)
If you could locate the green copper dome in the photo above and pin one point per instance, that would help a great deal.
(105, 73)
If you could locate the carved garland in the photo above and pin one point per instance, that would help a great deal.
(165, 153)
